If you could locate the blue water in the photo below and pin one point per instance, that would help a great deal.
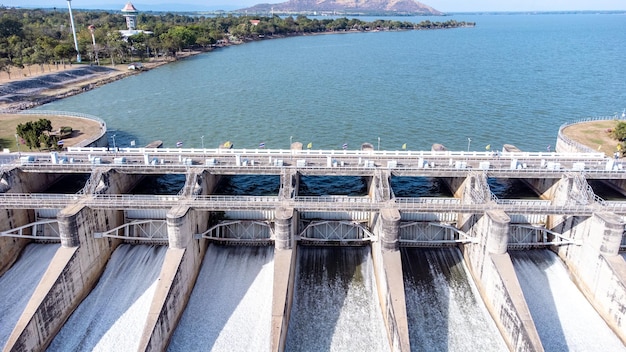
(511, 79)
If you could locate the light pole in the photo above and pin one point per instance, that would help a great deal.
(113, 142)
(69, 6)
(202, 139)
(469, 140)
(17, 143)
(290, 141)
(92, 28)
(378, 143)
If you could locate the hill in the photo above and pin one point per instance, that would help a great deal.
(365, 7)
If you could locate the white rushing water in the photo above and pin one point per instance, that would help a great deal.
(230, 308)
(564, 318)
(112, 316)
(444, 309)
(19, 283)
(336, 306)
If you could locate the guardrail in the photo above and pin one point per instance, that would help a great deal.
(572, 142)
(592, 155)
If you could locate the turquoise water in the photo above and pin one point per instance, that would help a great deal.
(511, 79)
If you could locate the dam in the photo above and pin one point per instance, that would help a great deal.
(363, 261)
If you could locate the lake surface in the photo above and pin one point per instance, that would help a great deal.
(511, 79)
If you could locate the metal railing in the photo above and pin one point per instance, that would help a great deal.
(83, 143)
(324, 203)
(578, 145)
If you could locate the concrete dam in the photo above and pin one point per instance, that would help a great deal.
(303, 250)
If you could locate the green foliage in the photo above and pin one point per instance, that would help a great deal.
(65, 131)
(36, 36)
(33, 133)
(619, 132)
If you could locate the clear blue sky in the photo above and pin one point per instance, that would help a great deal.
(442, 5)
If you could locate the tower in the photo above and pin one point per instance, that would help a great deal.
(69, 5)
(130, 12)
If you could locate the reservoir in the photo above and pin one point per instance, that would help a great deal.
(511, 79)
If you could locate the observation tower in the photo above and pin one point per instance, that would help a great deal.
(130, 12)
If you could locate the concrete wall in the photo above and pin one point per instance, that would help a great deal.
(494, 275)
(544, 187)
(15, 181)
(71, 275)
(113, 182)
(29, 182)
(11, 247)
(177, 278)
(618, 185)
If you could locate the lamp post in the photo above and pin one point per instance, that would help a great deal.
(469, 140)
(69, 5)
(92, 28)
(290, 141)
(17, 142)
(202, 139)
(378, 143)
(113, 142)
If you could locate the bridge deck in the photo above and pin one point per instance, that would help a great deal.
(320, 162)
(336, 203)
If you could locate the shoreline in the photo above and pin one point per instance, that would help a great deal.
(74, 87)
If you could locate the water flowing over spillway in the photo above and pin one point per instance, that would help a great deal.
(444, 309)
(230, 308)
(19, 282)
(112, 316)
(564, 318)
(335, 305)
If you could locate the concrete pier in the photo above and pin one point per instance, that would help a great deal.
(390, 282)
(178, 275)
(284, 278)
(493, 273)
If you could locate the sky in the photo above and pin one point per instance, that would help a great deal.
(441, 5)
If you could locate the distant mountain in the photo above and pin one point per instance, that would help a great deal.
(400, 7)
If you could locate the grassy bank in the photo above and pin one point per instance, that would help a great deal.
(82, 128)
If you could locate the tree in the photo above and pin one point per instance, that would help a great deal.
(115, 44)
(619, 132)
(64, 51)
(32, 133)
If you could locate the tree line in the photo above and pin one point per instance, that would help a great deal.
(44, 36)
